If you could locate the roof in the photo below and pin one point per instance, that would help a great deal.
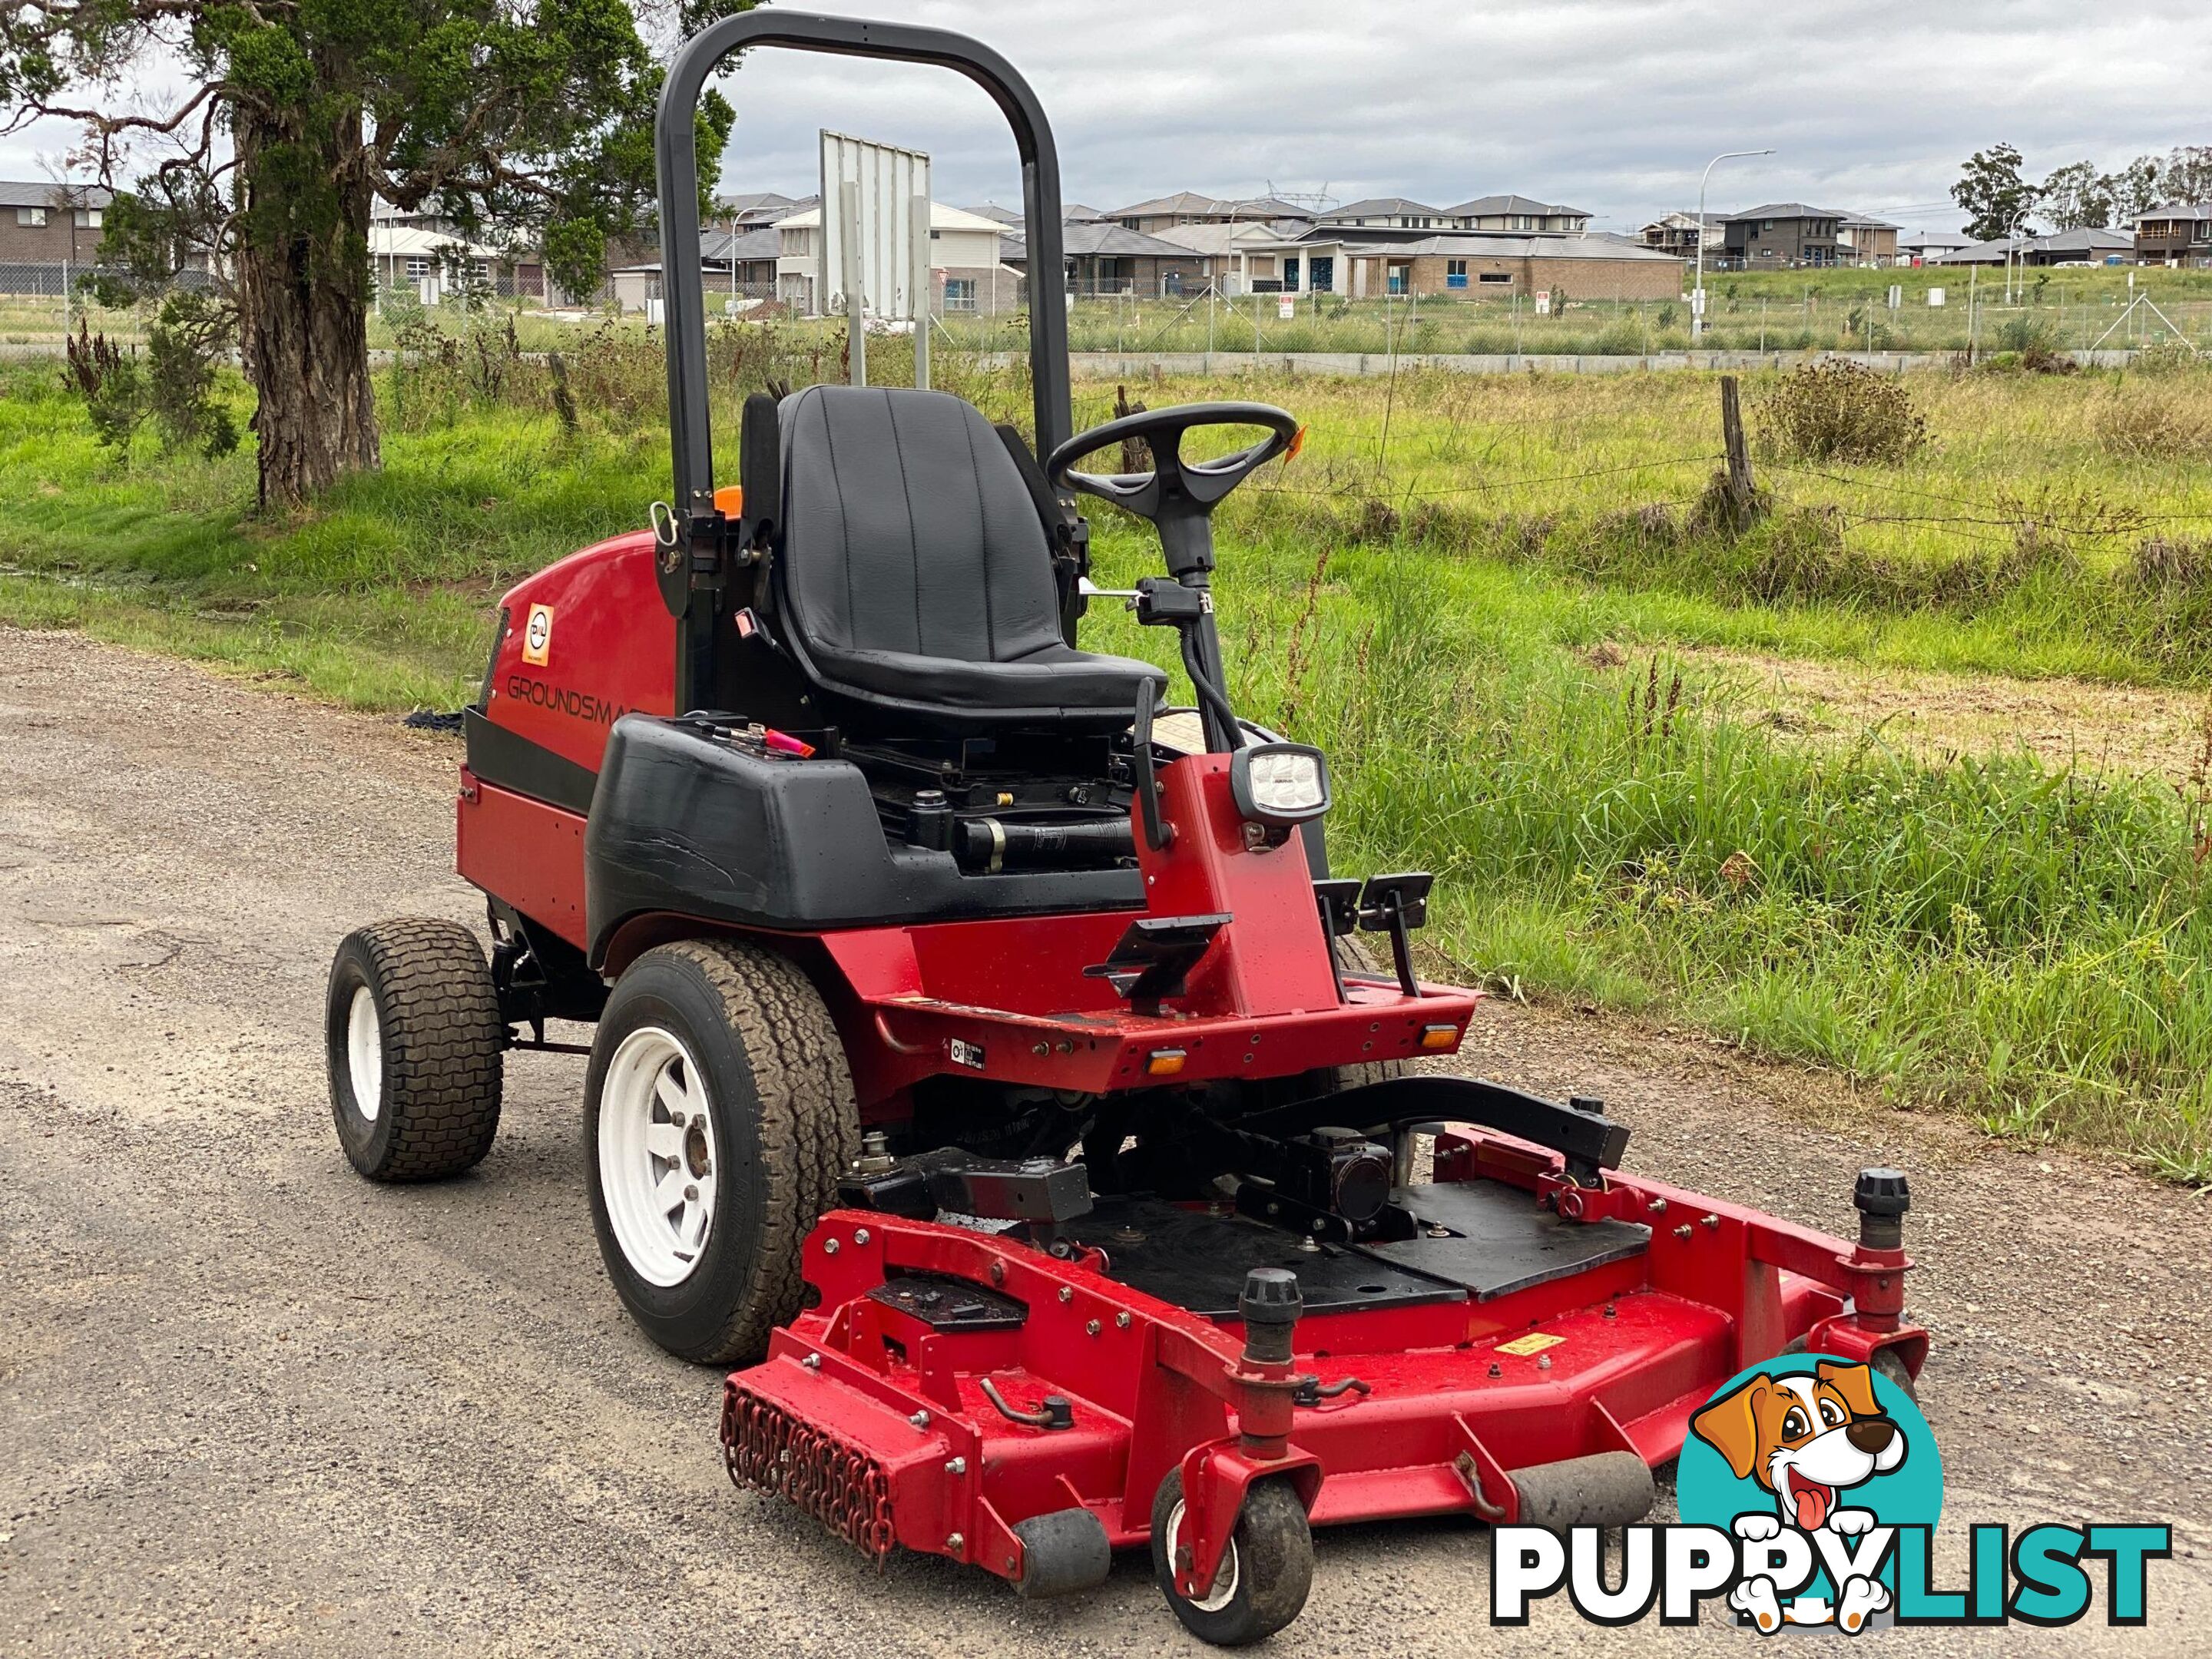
(1518, 245)
(2165, 211)
(1373, 207)
(1229, 238)
(1933, 238)
(1213, 207)
(1861, 222)
(45, 192)
(1783, 210)
(1103, 237)
(1481, 206)
(2084, 239)
(996, 214)
(941, 217)
(1680, 221)
(761, 203)
(1075, 213)
(390, 240)
(721, 247)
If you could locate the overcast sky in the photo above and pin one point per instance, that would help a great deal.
(1613, 105)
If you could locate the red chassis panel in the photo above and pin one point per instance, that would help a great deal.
(1010, 997)
(901, 1444)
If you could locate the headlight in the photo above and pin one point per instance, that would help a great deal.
(1279, 784)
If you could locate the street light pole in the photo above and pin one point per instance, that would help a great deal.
(2012, 235)
(1698, 304)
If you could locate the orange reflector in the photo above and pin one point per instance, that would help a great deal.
(1164, 1062)
(730, 500)
(1298, 442)
(1439, 1037)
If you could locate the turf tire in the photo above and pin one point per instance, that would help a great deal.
(438, 1043)
(785, 1122)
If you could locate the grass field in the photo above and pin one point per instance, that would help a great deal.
(1505, 607)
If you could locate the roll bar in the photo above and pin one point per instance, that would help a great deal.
(676, 148)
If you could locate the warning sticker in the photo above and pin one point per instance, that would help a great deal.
(967, 1053)
(1535, 1342)
(537, 634)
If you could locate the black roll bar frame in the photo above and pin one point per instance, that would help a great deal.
(684, 302)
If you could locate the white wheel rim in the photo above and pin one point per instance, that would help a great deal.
(658, 1164)
(365, 1054)
(1225, 1575)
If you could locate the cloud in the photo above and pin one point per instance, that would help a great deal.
(1613, 105)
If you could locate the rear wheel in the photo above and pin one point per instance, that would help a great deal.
(413, 1038)
(1265, 1572)
(718, 1114)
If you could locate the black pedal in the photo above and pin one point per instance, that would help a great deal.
(1396, 905)
(1154, 957)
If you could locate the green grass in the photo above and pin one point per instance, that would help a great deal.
(2023, 946)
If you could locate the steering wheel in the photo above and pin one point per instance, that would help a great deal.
(1177, 496)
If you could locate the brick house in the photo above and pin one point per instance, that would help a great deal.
(1188, 207)
(1863, 241)
(1779, 235)
(1517, 212)
(47, 224)
(1475, 266)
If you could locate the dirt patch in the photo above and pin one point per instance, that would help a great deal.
(2141, 729)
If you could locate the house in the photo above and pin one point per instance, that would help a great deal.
(1386, 213)
(1105, 259)
(1925, 246)
(736, 268)
(48, 225)
(2084, 246)
(2179, 234)
(967, 275)
(1779, 235)
(1284, 257)
(1679, 234)
(1477, 266)
(432, 264)
(1517, 212)
(1863, 241)
(1188, 207)
(759, 208)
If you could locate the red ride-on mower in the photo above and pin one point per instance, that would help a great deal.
(987, 1060)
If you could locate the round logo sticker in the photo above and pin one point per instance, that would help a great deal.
(1813, 1461)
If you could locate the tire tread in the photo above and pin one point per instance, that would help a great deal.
(809, 1121)
(443, 1041)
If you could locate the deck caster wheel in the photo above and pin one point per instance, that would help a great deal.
(718, 1116)
(1891, 1365)
(413, 1035)
(1265, 1572)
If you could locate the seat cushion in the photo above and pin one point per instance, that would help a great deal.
(915, 571)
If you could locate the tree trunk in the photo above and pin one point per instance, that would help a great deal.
(303, 301)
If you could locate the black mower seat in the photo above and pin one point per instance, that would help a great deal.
(916, 574)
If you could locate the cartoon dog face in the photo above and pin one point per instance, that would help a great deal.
(1804, 1438)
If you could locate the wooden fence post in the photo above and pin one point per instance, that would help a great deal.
(1743, 491)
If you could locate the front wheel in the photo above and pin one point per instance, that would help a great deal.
(1265, 1573)
(414, 1039)
(718, 1116)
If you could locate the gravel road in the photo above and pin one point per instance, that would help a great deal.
(249, 1402)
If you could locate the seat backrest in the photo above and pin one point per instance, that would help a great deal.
(907, 527)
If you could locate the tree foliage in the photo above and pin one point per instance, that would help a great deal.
(1991, 192)
(2077, 194)
(509, 117)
